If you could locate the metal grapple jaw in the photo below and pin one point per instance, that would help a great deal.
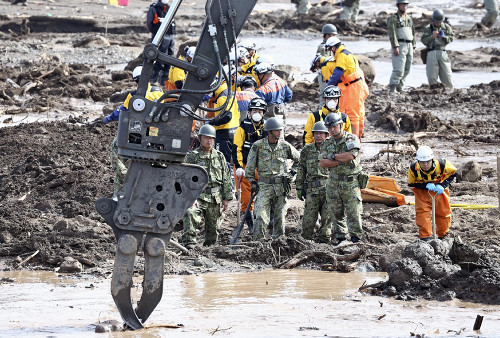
(150, 203)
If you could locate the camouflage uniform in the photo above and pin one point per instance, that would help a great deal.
(312, 179)
(271, 164)
(218, 189)
(350, 10)
(342, 191)
(438, 63)
(401, 31)
(119, 166)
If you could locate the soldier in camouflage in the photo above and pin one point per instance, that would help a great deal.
(311, 185)
(269, 156)
(401, 31)
(340, 154)
(436, 37)
(216, 195)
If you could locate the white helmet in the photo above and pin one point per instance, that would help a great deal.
(137, 73)
(332, 41)
(230, 70)
(424, 153)
(249, 45)
(189, 51)
(265, 58)
(263, 68)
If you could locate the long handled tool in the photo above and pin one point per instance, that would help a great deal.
(433, 214)
(238, 192)
(237, 230)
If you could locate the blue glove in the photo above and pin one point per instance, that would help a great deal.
(439, 189)
(431, 187)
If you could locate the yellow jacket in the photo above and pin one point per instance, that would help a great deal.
(320, 116)
(176, 76)
(247, 68)
(443, 172)
(152, 94)
(232, 119)
(347, 62)
(246, 135)
(327, 65)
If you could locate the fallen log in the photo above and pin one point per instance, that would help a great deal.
(306, 255)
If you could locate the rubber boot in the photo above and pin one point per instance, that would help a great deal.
(249, 221)
(392, 89)
(354, 239)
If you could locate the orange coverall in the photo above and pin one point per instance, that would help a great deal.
(353, 87)
(442, 172)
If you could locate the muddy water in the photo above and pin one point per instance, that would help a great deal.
(271, 303)
(299, 52)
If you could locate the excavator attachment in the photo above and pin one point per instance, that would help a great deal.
(155, 137)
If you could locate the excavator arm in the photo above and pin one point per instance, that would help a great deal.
(155, 136)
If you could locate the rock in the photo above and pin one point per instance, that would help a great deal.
(464, 253)
(120, 75)
(391, 291)
(419, 251)
(288, 72)
(470, 172)
(448, 295)
(5, 237)
(302, 91)
(109, 326)
(203, 261)
(61, 225)
(365, 267)
(367, 66)
(70, 265)
(440, 269)
(403, 271)
(393, 254)
(441, 247)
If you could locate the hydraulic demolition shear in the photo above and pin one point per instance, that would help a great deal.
(155, 136)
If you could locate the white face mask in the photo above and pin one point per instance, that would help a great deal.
(331, 105)
(165, 2)
(257, 117)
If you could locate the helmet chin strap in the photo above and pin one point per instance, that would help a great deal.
(272, 135)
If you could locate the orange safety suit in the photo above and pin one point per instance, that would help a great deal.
(442, 172)
(350, 79)
(246, 135)
(320, 116)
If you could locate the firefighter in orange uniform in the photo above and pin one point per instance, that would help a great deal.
(430, 175)
(349, 77)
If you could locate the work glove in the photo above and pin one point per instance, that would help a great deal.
(431, 187)
(240, 172)
(301, 194)
(254, 186)
(439, 189)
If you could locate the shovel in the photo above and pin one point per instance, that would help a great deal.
(238, 192)
(433, 214)
(239, 227)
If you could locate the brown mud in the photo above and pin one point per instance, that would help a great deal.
(53, 172)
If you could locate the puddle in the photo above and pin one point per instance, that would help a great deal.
(270, 303)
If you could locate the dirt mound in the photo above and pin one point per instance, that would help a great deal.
(441, 270)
